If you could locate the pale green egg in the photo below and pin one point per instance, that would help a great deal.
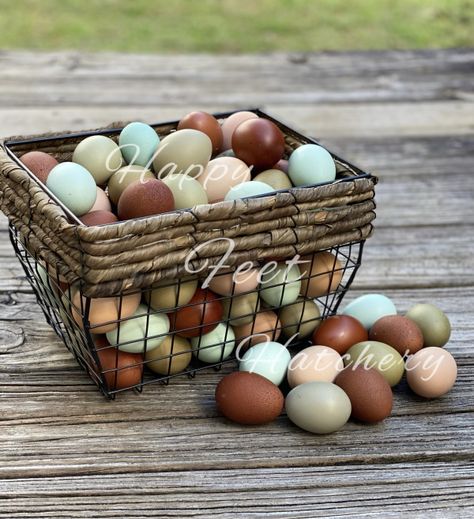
(311, 164)
(138, 143)
(268, 359)
(245, 189)
(280, 284)
(187, 191)
(214, 346)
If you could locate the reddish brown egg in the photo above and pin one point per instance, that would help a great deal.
(205, 123)
(145, 198)
(340, 332)
(248, 398)
(121, 370)
(397, 331)
(370, 394)
(201, 315)
(98, 218)
(39, 163)
(259, 143)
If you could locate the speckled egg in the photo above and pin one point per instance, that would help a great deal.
(125, 176)
(39, 163)
(397, 331)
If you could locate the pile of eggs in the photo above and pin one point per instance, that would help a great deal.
(356, 359)
(202, 162)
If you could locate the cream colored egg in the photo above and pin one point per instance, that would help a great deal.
(221, 175)
(122, 178)
(300, 318)
(167, 295)
(264, 328)
(102, 202)
(275, 178)
(227, 282)
(172, 356)
(241, 309)
(187, 191)
(316, 363)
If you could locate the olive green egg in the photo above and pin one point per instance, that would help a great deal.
(275, 178)
(433, 323)
(167, 295)
(373, 354)
(241, 309)
(302, 318)
(187, 191)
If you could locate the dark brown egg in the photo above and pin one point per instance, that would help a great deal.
(370, 394)
(98, 218)
(340, 332)
(248, 398)
(259, 143)
(121, 370)
(145, 199)
(398, 331)
(205, 123)
(39, 163)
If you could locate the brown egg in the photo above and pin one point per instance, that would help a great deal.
(172, 356)
(321, 275)
(166, 295)
(370, 394)
(145, 199)
(397, 331)
(340, 332)
(259, 143)
(121, 370)
(231, 123)
(98, 218)
(241, 309)
(264, 328)
(205, 123)
(231, 282)
(125, 176)
(248, 398)
(300, 318)
(39, 163)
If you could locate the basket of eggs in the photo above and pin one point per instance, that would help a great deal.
(160, 250)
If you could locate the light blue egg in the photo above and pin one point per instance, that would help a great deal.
(74, 186)
(251, 188)
(268, 359)
(311, 164)
(369, 308)
(138, 143)
(214, 346)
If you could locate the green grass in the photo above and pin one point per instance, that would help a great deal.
(235, 25)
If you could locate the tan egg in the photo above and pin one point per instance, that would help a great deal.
(241, 309)
(244, 280)
(221, 174)
(102, 202)
(122, 178)
(103, 310)
(264, 328)
(172, 356)
(169, 295)
(187, 191)
(301, 317)
(275, 178)
(314, 364)
(318, 278)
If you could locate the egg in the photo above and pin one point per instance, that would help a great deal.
(372, 354)
(431, 372)
(268, 359)
(321, 274)
(226, 153)
(98, 218)
(259, 143)
(282, 165)
(241, 309)
(138, 143)
(125, 176)
(39, 163)
(248, 398)
(205, 123)
(311, 164)
(102, 202)
(221, 174)
(187, 191)
(316, 363)
(340, 332)
(264, 327)
(167, 295)
(231, 123)
(300, 318)
(397, 331)
(145, 199)
(246, 189)
(120, 369)
(370, 394)
(142, 332)
(233, 282)
(74, 186)
(215, 346)
(201, 315)
(184, 151)
(280, 283)
(318, 407)
(100, 155)
(433, 323)
(274, 178)
(172, 356)
(369, 308)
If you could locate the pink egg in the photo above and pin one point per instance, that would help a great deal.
(244, 281)
(102, 202)
(231, 123)
(221, 174)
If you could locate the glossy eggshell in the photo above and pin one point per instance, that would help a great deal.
(275, 178)
(370, 394)
(100, 155)
(431, 372)
(235, 282)
(205, 123)
(120, 369)
(39, 163)
(102, 202)
(241, 309)
(311, 164)
(167, 295)
(246, 189)
(125, 176)
(372, 354)
(269, 359)
(397, 331)
(172, 356)
(248, 398)
(98, 218)
(187, 191)
(321, 274)
(263, 328)
(369, 308)
(138, 142)
(221, 174)
(259, 143)
(315, 363)
(433, 323)
(200, 317)
(145, 199)
(300, 318)
(318, 407)
(280, 285)
(231, 123)
(340, 332)
(214, 346)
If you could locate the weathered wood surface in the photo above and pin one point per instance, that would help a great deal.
(66, 452)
